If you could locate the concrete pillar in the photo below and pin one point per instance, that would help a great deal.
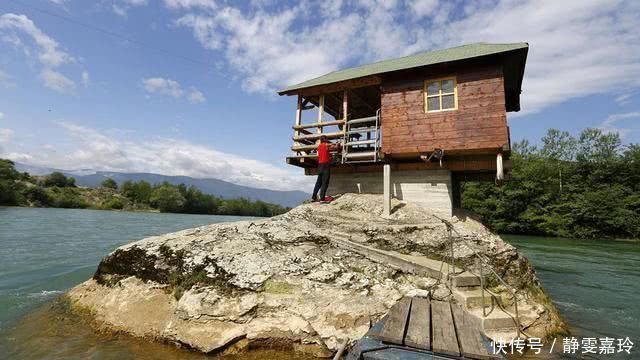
(387, 189)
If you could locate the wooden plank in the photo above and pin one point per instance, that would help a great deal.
(419, 329)
(469, 335)
(444, 333)
(313, 125)
(394, 327)
(333, 135)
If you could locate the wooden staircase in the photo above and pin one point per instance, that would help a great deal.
(498, 317)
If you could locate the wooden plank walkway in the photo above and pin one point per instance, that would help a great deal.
(437, 326)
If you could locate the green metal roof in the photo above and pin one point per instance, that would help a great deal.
(407, 62)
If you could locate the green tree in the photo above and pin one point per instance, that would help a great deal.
(167, 198)
(575, 187)
(58, 179)
(139, 191)
(109, 183)
(9, 187)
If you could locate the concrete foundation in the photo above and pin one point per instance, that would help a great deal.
(431, 189)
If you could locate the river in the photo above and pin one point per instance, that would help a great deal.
(44, 252)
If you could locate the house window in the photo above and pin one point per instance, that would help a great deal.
(441, 94)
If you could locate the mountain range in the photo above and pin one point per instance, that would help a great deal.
(217, 187)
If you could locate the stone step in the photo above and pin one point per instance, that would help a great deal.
(466, 279)
(498, 319)
(419, 265)
(472, 297)
(503, 336)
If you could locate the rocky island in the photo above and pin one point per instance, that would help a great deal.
(307, 280)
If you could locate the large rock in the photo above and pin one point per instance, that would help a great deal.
(282, 281)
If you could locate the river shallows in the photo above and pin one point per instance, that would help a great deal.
(44, 252)
(594, 283)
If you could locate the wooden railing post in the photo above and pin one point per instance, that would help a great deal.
(320, 113)
(298, 120)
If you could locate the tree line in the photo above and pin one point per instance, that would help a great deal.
(584, 186)
(58, 190)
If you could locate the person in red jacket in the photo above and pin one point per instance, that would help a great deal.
(324, 168)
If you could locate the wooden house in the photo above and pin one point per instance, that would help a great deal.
(433, 120)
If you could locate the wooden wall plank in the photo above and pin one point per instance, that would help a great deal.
(479, 122)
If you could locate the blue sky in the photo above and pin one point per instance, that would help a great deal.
(187, 87)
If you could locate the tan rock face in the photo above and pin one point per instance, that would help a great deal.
(280, 280)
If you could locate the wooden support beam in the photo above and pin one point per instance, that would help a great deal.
(386, 181)
(339, 86)
(345, 107)
(320, 114)
(333, 135)
(313, 125)
(296, 133)
(469, 166)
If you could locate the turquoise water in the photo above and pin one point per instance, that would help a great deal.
(594, 283)
(44, 252)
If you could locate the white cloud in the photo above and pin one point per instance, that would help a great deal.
(612, 123)
(121, 7)
(119, 10)
(196, 97)
(50, 54)
(422, 8)
(86, 79)
(624, 99)
(1, 115)
(92, 149)
(159, 85)
(577, 47)
(57, 81)
(5, 134)
(47, 50)
(189, 4)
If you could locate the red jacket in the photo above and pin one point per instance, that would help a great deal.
(323, 153)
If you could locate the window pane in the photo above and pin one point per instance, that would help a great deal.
(433, 103)
(448, 102)
(433, 88)
(447, 86)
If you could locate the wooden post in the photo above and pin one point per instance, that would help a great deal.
(344, 106)
(298, 119)
(320, 113)
(499, 168)
(386, 170)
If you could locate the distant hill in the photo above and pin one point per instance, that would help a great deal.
(221, 188)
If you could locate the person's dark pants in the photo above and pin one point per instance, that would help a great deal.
(322, 182)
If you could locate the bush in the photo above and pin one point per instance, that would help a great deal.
(167, 198)
(37, 196)
(67, 198)
(113, 204)
(58, 179)
(109, 184)
(585, 187)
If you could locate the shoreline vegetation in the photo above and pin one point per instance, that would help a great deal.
(59, 191)
(585, 187)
